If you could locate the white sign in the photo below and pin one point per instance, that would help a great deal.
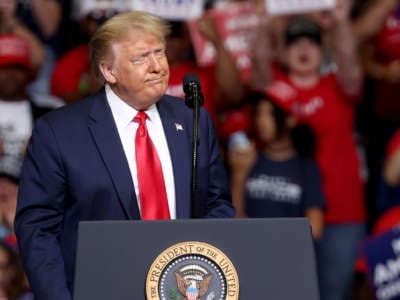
(171, 9)
(280, 7)
(81, 8)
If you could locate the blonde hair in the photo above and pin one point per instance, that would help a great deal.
(117, 28)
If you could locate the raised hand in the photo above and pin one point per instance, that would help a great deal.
(329, 18)
(341, 11)
(7, 15)
(209, 29)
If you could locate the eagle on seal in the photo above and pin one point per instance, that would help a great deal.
(192, 289)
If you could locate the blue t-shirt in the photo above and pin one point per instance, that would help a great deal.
(283, 188)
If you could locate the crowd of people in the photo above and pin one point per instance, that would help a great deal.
(318, 118)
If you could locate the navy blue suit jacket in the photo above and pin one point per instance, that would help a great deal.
(75, 169)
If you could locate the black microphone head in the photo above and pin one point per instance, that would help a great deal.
(190, 79)
(192, 89)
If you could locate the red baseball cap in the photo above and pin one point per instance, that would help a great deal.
(14, 50)
(283, 95)
(235, 120)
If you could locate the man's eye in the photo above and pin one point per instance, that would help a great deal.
(160, 52)
(139, 60)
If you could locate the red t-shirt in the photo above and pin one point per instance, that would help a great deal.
(331, 114)
(207, 81)
(69, 70)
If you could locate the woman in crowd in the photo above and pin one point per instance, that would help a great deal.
(279, 178)
(13, 283)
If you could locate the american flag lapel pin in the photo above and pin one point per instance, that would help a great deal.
(178, 127)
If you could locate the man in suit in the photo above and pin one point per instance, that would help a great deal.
(81, 165)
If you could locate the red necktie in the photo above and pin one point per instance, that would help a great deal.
(152, 193)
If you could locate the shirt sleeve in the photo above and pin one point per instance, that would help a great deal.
(313, 193)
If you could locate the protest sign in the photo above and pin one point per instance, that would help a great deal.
(171, 9)
(280, 7)
(236, 23)
(81, 8)
(382, 254)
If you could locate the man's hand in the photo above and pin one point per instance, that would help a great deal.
(327, 19)
(209, 29)
(242, 159)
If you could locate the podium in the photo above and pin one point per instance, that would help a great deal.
(251, 258)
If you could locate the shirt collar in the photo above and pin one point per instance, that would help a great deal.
(124, 113)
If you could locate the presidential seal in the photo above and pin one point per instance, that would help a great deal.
(192, 271)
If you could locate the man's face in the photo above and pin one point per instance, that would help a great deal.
(13, 80)
(138, 70)
(304, 56)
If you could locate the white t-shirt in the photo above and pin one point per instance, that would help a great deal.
(15, 130)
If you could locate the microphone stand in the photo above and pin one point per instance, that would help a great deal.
(194, 99)
(195, 145)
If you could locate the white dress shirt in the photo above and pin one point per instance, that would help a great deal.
(123, 116)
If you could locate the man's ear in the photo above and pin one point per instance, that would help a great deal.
(107, 71)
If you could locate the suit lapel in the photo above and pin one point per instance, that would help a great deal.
(106, 137)
(177, 134)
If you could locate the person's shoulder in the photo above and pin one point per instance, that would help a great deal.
(177, 107)
(74, 110)
(179, 104)
(309, 165)
(173, 99)
(306, 160)
(45, 101)
(172, 102)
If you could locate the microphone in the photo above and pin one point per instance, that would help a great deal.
(194, 99)
(192, 89)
